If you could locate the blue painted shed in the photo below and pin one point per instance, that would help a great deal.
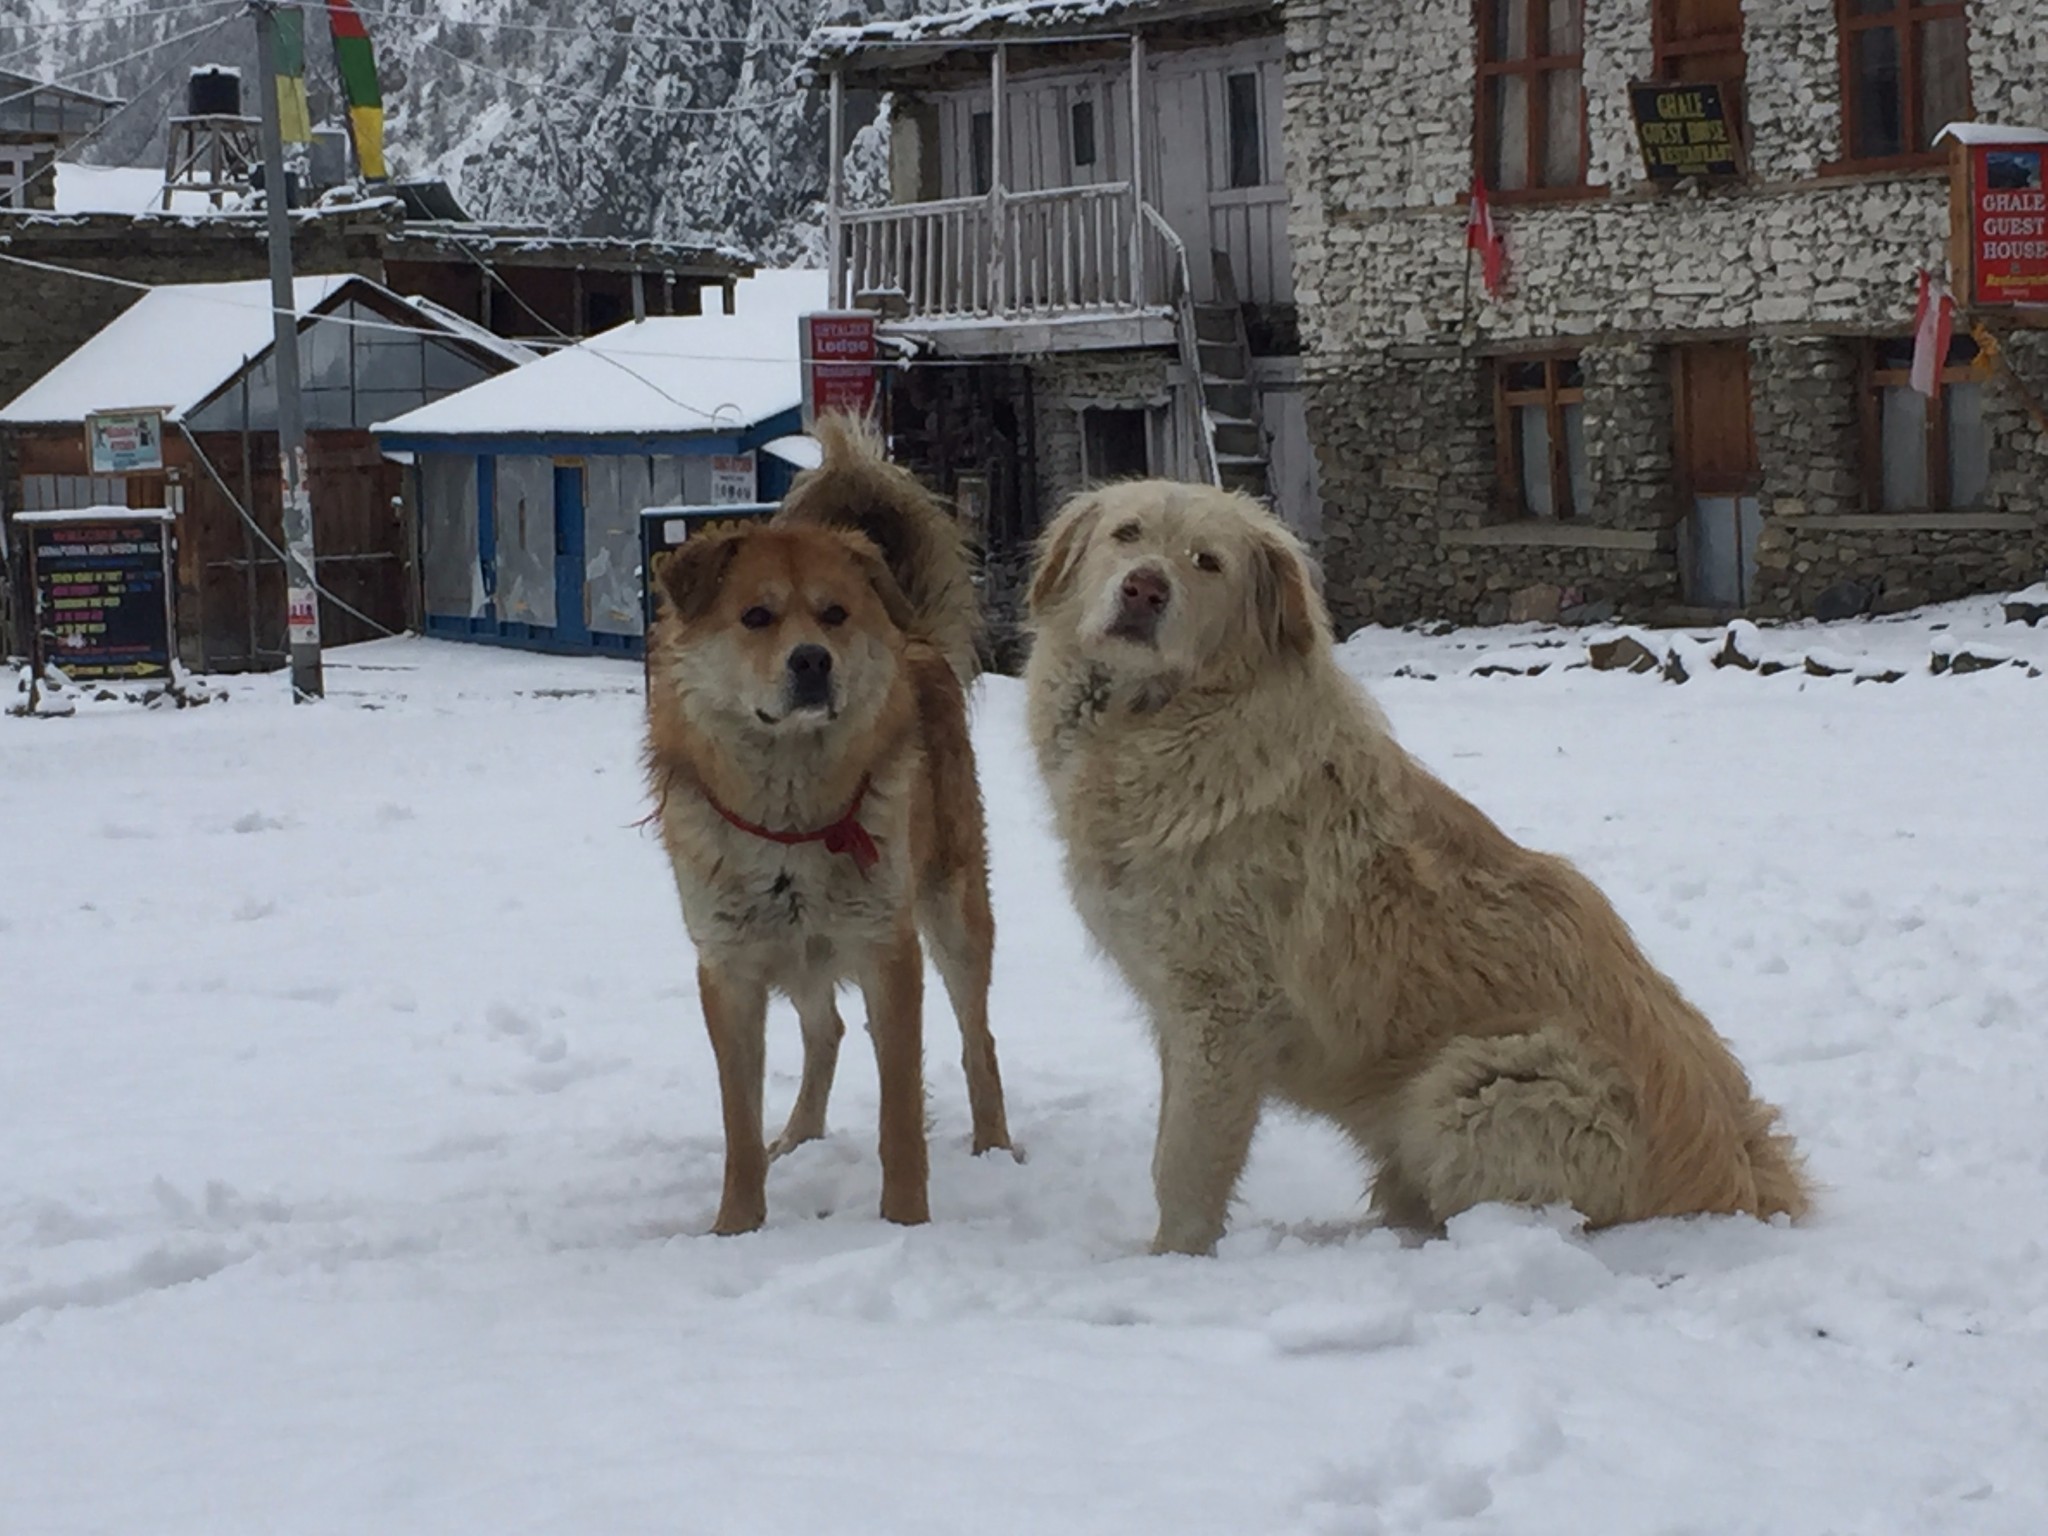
(530, 486)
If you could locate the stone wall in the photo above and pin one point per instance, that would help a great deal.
(1410, 434)
(1396, 330)
(1065, 385)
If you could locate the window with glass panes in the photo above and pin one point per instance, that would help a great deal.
(1540, 434)
(1905, 75)
(1532, 100)
(1921, 454)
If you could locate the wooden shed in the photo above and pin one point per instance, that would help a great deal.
(530, 486)
(200, 354)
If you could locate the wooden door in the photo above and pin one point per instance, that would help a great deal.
(1714, 438)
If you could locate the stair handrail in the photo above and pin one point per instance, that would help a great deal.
(1189, 342)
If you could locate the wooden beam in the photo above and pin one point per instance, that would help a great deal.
(1137, 176)
(835, 243)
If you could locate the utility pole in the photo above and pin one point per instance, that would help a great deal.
(302, 614)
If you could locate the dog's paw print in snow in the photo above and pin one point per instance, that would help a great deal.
(554, 1067)
(1331, 1329)
(1440, 1467)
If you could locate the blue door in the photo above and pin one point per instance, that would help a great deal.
(572, 617)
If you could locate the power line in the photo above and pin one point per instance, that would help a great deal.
(107, 64)
(116, 17)
(539, 344)
(269, 543)
(162, 77)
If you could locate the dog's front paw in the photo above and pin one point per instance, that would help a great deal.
(733, 1222)
(1200, 1243)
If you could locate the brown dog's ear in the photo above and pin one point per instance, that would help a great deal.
(1291, 615)
(690, 576)
(1060, 551)
(882, 579)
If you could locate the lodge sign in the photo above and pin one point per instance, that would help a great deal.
(1686, 130)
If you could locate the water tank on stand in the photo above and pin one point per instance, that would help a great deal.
(213, 90)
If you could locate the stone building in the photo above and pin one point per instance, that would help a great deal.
(1690, 396)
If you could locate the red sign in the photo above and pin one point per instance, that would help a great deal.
(838, 349)
(2008, 224)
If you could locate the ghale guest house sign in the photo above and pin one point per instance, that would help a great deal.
(2001, 216)
(1687, 131)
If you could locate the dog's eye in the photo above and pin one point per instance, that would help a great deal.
(1204, 561)
(832, 617)
(757, 617)
(1127, 533)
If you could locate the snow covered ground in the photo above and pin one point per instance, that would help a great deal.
(358, 1133)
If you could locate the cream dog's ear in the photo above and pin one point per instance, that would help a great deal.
(1291, 615)
(1059, 552)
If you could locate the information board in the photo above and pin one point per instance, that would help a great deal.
(125, 442)
(2008, 224)
(102, 591)
(664, 529)
(1686, 130)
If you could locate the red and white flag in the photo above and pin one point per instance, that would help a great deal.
(1934, 322)
(1482, 236)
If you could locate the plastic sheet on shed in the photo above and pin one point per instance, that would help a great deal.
(523, 510)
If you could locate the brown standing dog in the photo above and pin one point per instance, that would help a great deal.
(807, 745)
(1310, 916)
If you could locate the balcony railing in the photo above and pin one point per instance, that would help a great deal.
(1072, 251)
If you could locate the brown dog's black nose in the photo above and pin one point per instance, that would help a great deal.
(810, 675)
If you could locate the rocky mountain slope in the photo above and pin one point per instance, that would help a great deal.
(679, 118)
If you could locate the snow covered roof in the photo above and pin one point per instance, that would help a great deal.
(1991, 133)
(669, 376)
(120, 189)
(890, 45)
(178, 345)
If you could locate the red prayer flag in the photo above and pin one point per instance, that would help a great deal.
(1483, 236)
(1934, 322)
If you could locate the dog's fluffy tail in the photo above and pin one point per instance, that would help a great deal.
(858, 488)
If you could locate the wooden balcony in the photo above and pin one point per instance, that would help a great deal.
(1069, 268)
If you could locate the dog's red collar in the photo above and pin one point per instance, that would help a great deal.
(846, 835)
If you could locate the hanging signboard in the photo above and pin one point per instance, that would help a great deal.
(839, 352)
(125, 442)
(102, 587)
(2008, 224)
(1686, 130)
(733, 479)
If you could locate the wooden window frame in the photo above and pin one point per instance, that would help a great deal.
(1533, 69)
(1553, 396)
(1872, 381)
(1669, 54)
(1906, 17)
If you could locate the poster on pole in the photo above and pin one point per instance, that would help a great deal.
(102, 585)
(839, 353)
(733, 479)
(125, 442)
